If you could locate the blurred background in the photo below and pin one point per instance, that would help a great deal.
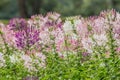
(26, 8)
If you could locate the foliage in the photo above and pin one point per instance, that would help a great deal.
(10, 8)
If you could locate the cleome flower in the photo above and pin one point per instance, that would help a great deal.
(34, 62)
(2, 60)
(25, 35)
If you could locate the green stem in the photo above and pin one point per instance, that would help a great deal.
(5, 44)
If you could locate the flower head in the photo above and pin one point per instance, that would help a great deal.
(17, 24)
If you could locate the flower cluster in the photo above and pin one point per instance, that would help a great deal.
(2, 60)
(51, 34)
(33, 63)
(26, 36)
(44, 32)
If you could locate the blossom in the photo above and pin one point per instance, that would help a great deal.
(101, 39)
(82, 29)
(28, 62)
(98, 25)
(85, 54)
(17, 24)
(68, 27)
(25, 35)
(26, 39)
(33, 63)
(118, 49)
(14, 58)
(53, 16)
(2, 60)
(37, 21)
(8, 36)
(49, 33)
(40, 60)
(1, 34)
(87, 44)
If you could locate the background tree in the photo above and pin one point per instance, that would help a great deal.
(26, 8)
(29, 7)
(8, 9)
(23, 8)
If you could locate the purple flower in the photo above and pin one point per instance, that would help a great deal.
(26, 39)
(85, 54)
(26, 36)
(17, 24)
(33, 37)
(20, 39)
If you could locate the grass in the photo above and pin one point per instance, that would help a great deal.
(4, 21)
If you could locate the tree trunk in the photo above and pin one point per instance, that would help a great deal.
(36, 6)
(114, 3)
(23, 8)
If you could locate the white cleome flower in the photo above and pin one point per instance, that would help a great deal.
(87, 44)
(2, 60)
(100, 39)
(67, 27)
(77, 22)
(32, 63)
(14, 58)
